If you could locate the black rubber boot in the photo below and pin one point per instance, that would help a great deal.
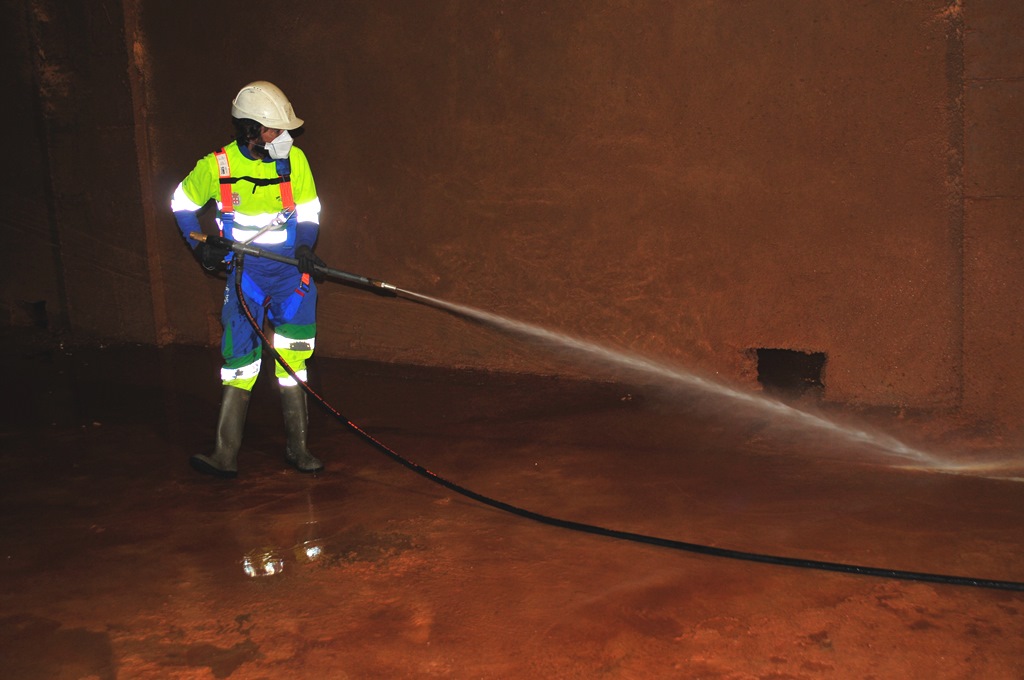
(223, 462)
(296, 427)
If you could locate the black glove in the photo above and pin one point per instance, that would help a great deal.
(307, 261)
(211, 257)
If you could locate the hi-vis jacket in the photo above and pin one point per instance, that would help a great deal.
(251, 194)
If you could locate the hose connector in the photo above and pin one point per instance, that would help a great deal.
(381, 288)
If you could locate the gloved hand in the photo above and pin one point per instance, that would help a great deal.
(307, 261)
(211, 257)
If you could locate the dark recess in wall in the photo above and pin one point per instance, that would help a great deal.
(790, 373)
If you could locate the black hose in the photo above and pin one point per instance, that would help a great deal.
(602, 531)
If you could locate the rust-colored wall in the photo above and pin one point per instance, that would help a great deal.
(30, 278)
(688, 180)
(994, 211)
(71, 177)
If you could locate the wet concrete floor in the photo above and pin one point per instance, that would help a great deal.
(119, 561)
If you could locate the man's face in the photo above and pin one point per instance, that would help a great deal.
(268, 135)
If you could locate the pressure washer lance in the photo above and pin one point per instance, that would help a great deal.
(375, 286)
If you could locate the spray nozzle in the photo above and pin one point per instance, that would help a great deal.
(381, 288)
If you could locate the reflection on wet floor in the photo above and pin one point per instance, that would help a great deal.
(263, 562)
(122, 560)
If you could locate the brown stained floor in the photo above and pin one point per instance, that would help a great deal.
(118, 561)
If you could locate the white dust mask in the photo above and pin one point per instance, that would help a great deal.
(281, 145)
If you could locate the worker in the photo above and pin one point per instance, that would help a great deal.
(266, 196)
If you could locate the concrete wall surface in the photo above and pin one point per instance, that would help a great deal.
(994, 210)
(72, 178)
(687, 180)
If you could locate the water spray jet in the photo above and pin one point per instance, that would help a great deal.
(671, 374)
(912, 458)
(582, 527)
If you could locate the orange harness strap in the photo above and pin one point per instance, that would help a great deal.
(227, 201)
(287, 201)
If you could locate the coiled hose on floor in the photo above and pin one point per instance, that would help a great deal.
(602, 531)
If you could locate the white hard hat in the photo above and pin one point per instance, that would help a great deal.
(264, 103)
